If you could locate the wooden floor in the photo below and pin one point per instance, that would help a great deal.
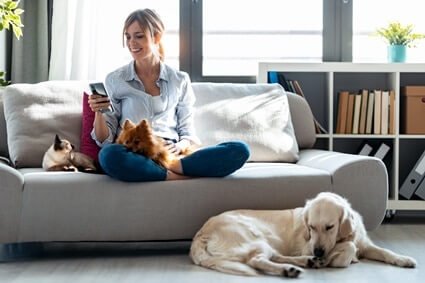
(135, 262)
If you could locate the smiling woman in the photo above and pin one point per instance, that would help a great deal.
(87, 36)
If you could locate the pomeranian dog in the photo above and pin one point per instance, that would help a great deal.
(140, 139)
(61, 157)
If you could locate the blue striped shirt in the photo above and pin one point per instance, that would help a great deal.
(130, 101)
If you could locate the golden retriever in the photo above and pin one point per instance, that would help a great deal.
(325, 232)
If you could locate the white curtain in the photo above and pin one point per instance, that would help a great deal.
(87, 35)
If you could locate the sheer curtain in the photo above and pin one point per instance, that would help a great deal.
(87, 36)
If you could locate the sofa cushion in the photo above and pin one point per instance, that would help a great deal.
(97, 208)
(257, 114)
(87, 145)
(34, 113)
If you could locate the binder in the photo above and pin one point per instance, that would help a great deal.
(365, 150)
(420, 192)
(382, 151)
(414, 178)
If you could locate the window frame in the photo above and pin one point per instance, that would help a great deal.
(336, 43)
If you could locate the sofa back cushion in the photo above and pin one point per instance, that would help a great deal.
(36, 112)
(258, 114)
(3, 133)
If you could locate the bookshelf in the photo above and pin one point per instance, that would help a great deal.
(321, 83)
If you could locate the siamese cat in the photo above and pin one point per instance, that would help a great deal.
(61, 157)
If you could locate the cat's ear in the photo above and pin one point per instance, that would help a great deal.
(128, 124)
(57, 139)
(57, 145)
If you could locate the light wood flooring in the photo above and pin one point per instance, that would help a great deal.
(140, 262)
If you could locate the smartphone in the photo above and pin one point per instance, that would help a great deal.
(99, 89)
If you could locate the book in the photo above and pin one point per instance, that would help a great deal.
(363, 111)
(342, 112)
(391, 109)
(377, 113)
(366, 149)
(272, 77)
(382, 151)
(356, 114)
(414, 178)
(369, 115)
(350, 112)
(384, 111)
(282, 81)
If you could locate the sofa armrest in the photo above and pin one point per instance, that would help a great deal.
(363, 180)
(11, 189)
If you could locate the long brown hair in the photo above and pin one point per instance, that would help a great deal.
(151, 22)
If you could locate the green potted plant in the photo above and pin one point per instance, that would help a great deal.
(10, 16)
(398, 37)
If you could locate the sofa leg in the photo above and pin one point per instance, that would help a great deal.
(18, 251)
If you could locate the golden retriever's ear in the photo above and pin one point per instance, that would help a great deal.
(128, 124)
(306, 235)
(346, 227)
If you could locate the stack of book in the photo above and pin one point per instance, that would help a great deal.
(366, 112)
(414, 185)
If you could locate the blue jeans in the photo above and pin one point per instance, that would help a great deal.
(213, 161)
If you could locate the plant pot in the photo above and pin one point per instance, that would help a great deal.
(396, 53)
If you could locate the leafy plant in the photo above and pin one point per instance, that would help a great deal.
(397, 34)
(10, 16)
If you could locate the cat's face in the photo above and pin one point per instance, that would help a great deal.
(138, 138)
(62, 145)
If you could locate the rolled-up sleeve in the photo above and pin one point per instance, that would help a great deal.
(185, 123)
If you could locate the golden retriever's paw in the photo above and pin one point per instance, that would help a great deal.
(316, 262)
(292, 271)
(405, 261)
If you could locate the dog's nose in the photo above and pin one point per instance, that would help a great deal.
(319, 252)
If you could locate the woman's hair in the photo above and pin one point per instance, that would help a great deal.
(150, 21)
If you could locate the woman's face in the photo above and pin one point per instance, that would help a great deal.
(139, 42)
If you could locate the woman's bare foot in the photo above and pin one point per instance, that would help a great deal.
(176, 167)
(174, 176)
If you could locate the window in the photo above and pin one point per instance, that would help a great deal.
(239, 33)
(370, 15)
(87, 39)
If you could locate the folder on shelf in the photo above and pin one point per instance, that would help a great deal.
(384, 111)
(365, 149)
(414, 178)
(369, 115)
(363, 111)
(382, 151)
(391, 109)
(342, 112)
(420, 192)
(356, 115)
(272, 77)
(350, 112)
(377, 113)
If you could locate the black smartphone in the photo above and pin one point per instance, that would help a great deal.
(99, 89)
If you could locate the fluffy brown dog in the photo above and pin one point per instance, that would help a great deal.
(140, 139)
(325, 232)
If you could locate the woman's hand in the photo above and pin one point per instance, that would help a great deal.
(98, 102)
(178, 147)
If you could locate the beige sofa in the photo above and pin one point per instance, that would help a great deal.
(38, 206)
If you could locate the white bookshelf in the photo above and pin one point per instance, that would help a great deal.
(321, 83)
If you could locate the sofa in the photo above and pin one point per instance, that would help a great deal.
(40, 206)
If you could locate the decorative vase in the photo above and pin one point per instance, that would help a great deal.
(396, 53)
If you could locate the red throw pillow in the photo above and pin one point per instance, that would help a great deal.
(87, 144)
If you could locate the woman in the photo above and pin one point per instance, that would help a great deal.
(149, 89)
